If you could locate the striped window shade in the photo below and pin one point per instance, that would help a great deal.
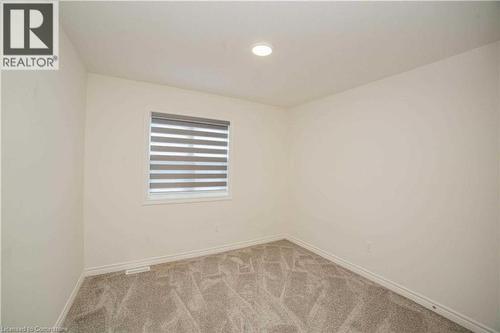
(188, 156)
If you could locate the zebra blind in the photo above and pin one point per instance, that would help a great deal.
(187, 155)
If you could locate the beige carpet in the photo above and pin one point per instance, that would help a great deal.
(277, 287)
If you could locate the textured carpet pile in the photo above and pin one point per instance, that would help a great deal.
(277, 287)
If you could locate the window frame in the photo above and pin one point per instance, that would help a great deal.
(183, 197)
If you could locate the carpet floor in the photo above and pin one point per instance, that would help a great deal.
(277, 287)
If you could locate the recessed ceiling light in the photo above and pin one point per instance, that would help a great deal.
(262, 49)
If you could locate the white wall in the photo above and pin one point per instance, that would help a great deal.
(42, 168)
(498, 316)
(408, 167)
(119, 228)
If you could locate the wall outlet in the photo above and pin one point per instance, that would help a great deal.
(369, 247)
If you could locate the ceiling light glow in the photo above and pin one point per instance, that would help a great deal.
(262, 49)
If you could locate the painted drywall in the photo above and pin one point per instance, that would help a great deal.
(120, 228)
(498, 315)
(43, 116)
(400, 176)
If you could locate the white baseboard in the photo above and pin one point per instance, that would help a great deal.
(444, 311)
(69, 302)
(175, 257)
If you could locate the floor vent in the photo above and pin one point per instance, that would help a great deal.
(137, 270)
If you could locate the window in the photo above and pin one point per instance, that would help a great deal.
(188, 157)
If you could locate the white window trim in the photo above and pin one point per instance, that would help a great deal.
(177, 198)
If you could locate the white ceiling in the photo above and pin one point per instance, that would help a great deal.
(319, 47)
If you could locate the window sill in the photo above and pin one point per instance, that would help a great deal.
(186, 198)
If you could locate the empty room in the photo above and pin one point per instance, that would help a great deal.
(238, 167)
